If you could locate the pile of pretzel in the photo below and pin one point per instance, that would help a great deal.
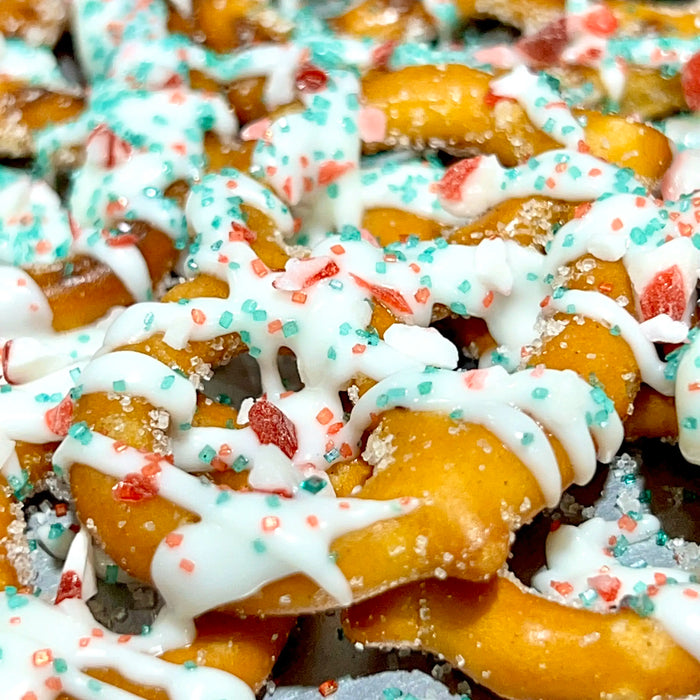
(479, 252)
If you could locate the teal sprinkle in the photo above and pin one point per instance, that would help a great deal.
(189, 665)
(380, 267)
(465, 286)
(81, 433)
(240, 463)
(574, 172)
(459, 308)
(111, 573)
(396, 393)
(223, 497)
(333, 190)
(527, 439)
(531, 277)
(615, 330)
(5, 389)
(331, 455)
(60, 665)
(313, 484)
(272, 500)
(167, 382)
(259, 546)
(56, 530)
(457, 414)
(226, 319)
(83, 338)
(331, 354)
(426, 281)
(15, 602)
(540, 393)
(588, 597)
(206, 454)
(289, 329)
(259, 315)
(184, 427)
(382, 401)
(621, 546)
(690, 423)
(345, 329)
(425, 388)
(119, 385)
(255, 351)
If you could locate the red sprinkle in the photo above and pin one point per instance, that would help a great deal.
(600, 21)
(563, 588)
(309, 78)
(328, 688)
(134, 488)
(665, 294)
(273, 427)
(607, 587)
(690, 82)
(70, 586)
(239, 232)
(450, 187)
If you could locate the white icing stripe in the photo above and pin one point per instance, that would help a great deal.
(243, 540)
(136, 374)
(126, 262)
(560, 174)
(543, 105)
(607, 311)
(27, 358)
(688, 401)
(46, 649)
(30, 412)
(23, 307)
(502, 403)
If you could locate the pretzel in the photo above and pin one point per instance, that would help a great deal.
(529, 254)
(483, 628)
(38, 22)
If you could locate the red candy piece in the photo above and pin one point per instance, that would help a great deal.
(105, 148)
(134, 488)
(309, 78)
(382, 54)
(664, 295)
(330, 171)
(690, 82)
(450, 187)
(273, 427)
(600, 21)
(59, 418)
(607, 587)
(389, 297)
(70, 586)
(329, 270)
(121, 240)
(546, 46)
(239, 232)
